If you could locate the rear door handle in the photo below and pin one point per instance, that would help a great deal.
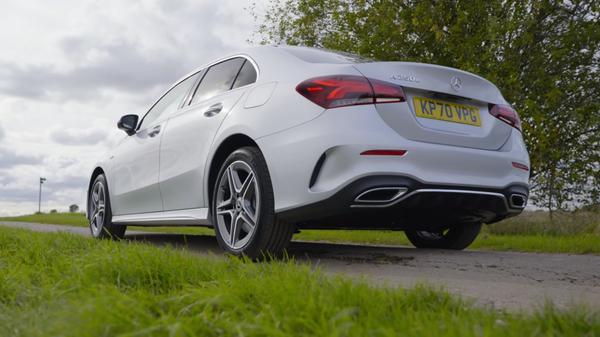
(213, 109)
(154, 131)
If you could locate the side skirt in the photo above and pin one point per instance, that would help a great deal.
(184, 217)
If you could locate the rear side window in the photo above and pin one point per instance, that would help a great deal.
(218, 79)
(246, 76)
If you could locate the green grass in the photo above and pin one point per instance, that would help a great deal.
(575, 232)
(78, 219)
(572, 244)
(71, 219)
(540, 223)
(59, 284)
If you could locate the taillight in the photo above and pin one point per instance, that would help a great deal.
(344, 90)
(506, 114)
(385, 92)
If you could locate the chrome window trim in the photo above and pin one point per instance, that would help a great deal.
(207, 68)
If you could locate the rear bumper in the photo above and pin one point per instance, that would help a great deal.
(419, 204)
(300, 178)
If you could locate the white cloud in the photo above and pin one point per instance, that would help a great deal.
(78, 137)
(73, 67)
(9, 159)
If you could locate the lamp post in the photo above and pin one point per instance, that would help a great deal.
(42, 180)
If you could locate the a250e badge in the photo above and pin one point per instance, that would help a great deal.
(405, 78)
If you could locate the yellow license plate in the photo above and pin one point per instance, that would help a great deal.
(446, 111)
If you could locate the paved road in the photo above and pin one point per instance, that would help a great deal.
(492, 279)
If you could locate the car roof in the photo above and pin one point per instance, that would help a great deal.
(302, 53)
(281, 54)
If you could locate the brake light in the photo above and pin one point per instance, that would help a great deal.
(506, 114)
(344, 90)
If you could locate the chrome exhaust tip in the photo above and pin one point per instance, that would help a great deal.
(381, 195)
(517, 201)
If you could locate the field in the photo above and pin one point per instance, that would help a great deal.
(61, 284)
(568, 232)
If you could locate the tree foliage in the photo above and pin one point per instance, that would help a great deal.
(543, 55)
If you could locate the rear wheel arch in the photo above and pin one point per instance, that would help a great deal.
(227, 146)
(243, 198)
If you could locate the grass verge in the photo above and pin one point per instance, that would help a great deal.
(78, 219)
(573, 233)
(60, 284)
(540, 243)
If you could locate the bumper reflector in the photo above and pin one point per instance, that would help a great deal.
(399, 153)
(520, 166)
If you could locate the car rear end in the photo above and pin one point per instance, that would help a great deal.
(403, 144)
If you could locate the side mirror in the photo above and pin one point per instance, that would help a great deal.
(128, 123)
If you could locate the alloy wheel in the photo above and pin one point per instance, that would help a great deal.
(237, 204)
(98, 204)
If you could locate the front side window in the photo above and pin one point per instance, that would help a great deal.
(169, 102)
(218, 79)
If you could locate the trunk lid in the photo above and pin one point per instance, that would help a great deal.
(446, 106)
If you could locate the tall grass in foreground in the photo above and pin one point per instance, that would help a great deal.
(65, 285)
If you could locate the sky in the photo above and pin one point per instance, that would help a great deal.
(70, 68)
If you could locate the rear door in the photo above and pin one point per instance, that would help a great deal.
(190, 132)
(445, 105)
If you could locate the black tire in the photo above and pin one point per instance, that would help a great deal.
(101, 225)
(456, 237)
(269, 237)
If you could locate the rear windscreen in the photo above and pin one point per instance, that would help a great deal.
(314, 55)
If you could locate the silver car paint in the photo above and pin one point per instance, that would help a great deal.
(293, 132)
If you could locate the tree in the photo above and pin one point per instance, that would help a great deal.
(73, 208)
(543, 55)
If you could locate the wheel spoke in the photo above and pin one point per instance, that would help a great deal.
(234, 180)
(100, 220)
(229, 212)
(234, 232)
(248, 222)
(226, 205)
(229, 178)
(249, 194)
(247, 184)
(249, 212)
(95, 220)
